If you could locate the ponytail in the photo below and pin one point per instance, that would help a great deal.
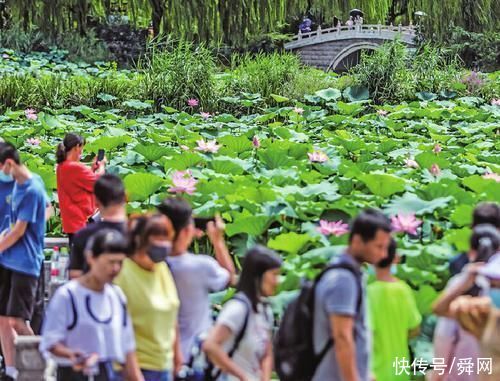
(61, 153)
(70, 141)
(486, 241)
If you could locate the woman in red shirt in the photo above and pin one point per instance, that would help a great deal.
(75, 184)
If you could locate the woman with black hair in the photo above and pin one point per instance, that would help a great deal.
(450, 340)
(240, 342)
(153, 302)
(75, 184)
(87, 329)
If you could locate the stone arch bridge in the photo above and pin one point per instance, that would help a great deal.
(330, 49)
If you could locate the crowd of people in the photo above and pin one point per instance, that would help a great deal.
(137, 304)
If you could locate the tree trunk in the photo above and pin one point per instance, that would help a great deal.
(158, 7)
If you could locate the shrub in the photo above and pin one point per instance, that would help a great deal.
(175, 71)
(265, 74)
(394, 74)
(478, 50)
(385, 73)
(86, 48)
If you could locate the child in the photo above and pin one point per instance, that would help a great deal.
(394, 319)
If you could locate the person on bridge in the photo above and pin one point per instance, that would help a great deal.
(350, 23)
(75, 184)
(305, 25)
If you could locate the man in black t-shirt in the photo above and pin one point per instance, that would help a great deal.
(110, 196)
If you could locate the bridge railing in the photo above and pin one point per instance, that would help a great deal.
(363, 30)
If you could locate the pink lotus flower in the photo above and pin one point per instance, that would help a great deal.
(411, 163)
(382, 112)
(435, 170)
(5, 56)
(205, 115)
(30, 114)
(492, 176)
(298, 110)
(184, 148)
(317, 157)
(208, 146)
(337, 228)
(405, 223)
(193, 102)
(437, 148)
(183, 182)
(256, 141)
(495, 102)
(33, 142)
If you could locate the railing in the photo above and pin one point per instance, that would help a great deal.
(365, 30)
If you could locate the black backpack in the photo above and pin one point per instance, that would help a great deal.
(211, 373)
(294, 355)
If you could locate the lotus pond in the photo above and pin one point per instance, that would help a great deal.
(293, 175)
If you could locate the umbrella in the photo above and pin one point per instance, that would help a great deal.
(355, 13)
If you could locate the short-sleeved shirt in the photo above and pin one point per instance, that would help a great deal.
(77, 259)
(28, 204)
(102, 325)
(255, 342)
(6, 189)
(392, 313)
(75, 189)
(195, 277)
(153, 305)
(337, 293)
(453, 342)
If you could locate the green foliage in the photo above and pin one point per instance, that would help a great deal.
(393, 74)
(87, 48)
(175, 71)
(477, 50)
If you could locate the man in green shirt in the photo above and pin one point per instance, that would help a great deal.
(393, 318)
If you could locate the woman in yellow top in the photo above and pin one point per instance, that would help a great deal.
(152, 297)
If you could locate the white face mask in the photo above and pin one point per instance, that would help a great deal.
(4, 178)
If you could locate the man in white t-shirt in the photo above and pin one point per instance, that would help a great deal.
(196, 275)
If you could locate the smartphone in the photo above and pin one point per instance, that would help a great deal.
(201, 222)
(100, 155)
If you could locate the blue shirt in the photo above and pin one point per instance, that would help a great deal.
(337, 293)
(5, 199)
(28, 204)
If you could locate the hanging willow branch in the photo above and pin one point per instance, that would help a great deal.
(234, 22)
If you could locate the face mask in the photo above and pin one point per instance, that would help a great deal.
(5, 178)
(495, 297)
(158, 253)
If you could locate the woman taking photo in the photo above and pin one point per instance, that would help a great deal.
(75, 184)
(240, 342)
(87, 328)
(150, 289)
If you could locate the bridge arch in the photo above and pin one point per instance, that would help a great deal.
(327, 48)
(349, 50)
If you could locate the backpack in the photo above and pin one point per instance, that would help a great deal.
(294, 355)
(192, 372)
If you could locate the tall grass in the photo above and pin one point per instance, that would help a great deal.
(175, 71)
(394, 74)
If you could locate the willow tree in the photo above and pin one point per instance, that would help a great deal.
(234, 22)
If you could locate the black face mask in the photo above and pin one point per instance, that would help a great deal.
(158, 253)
